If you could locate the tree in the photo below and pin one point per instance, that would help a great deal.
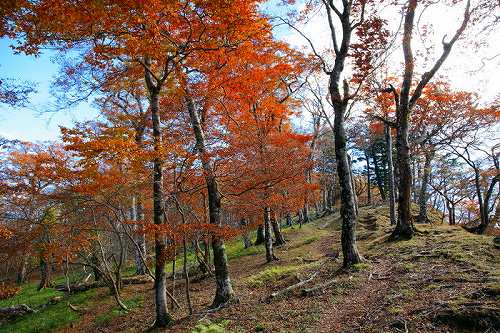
(134, 37)
(405, 101)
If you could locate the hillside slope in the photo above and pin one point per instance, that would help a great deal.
(443, 280)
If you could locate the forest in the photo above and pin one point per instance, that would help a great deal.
(251, 166)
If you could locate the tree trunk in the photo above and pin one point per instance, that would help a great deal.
(44, 273)
(278, 236)
(163, 318)
(260, 235)
(140, 249)
(268, 236)
(379, 177)
(21, 273)
(224, 290)
(404, 226)
(347, 205)
(305, 211)
(353, 185)
(289, 219)
(368, 179)
(422, 215)
(246, 235)
(390, 176)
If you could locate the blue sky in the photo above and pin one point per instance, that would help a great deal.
(32, 123)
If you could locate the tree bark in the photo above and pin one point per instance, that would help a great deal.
(140, 249)
(390, 175)
(368, 179)
(247, 242)
(260, 235)
(224, 290)
(268, 235)
(44, 273)
(379, 177)
(278, 236)
(423, 197)
(163, 318)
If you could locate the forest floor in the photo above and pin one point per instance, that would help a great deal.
(443, 280)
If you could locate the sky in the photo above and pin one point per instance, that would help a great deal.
(33, 124)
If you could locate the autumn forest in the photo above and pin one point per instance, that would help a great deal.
(252, 166)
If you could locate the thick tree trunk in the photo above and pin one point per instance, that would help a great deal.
(268, 235)
(44, 273)
(224, 290)
(246, 235)
(21, 273)
(260, 235)
(404, 226)
(423, 197)
(347, 204)
(390, 175)
(278, 236)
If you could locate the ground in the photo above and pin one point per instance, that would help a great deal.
(443, 280)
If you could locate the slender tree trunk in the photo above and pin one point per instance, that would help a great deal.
(379, 177)
(423, 197)
(353, 185)
(368, 179)
(305, 211)
(288, 219)
(224, 291)
(186, 276)
(163, 318)
(140, 250)
(390, 176)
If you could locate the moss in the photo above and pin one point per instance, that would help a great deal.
(210, 327)
(310, 239)
(360, 267)
(52, 318)
(270, 275)
(394, 310)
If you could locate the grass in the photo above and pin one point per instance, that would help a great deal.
(271, 274)
(210, 327)
(132, 303)
(30, 296)
(53, 317)
(310, 239)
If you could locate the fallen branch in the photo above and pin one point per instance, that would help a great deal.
(23, 309)
(16, 311)
(84, 286)
(290, 288)
(320, 288)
